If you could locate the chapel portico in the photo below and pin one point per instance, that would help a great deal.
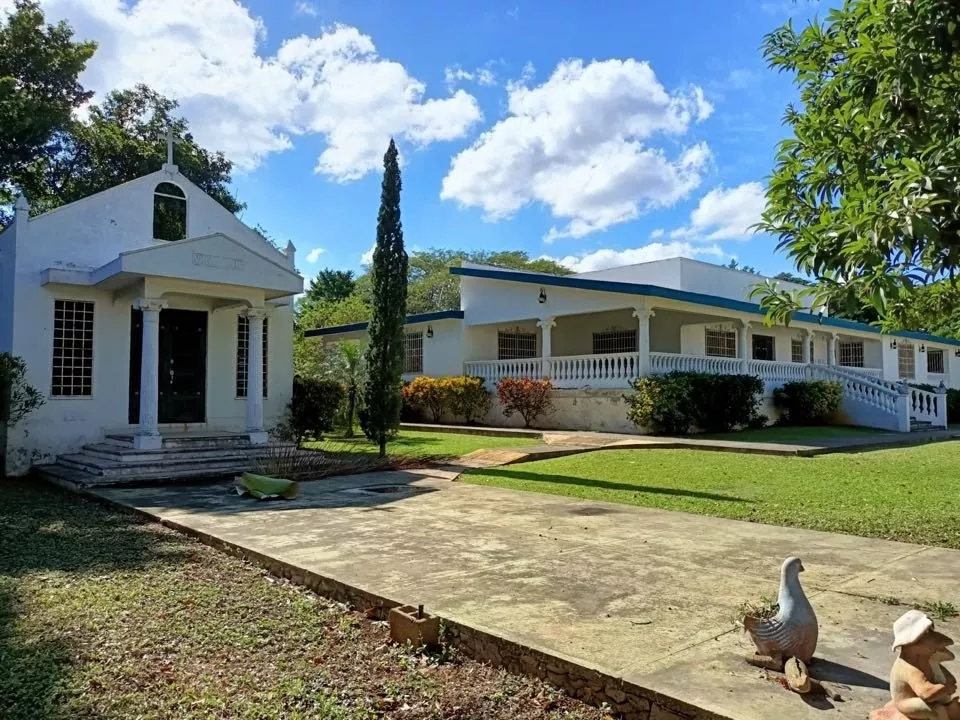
(187, 283)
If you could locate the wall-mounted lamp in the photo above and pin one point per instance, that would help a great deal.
(543, 296)
(923, 348)
(893, 344)
(956, 353)
(820, 318)
(429, 331)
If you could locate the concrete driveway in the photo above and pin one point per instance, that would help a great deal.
(644, 595)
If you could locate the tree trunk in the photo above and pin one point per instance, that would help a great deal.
(3, 450)
(351, 409)
(383, 446)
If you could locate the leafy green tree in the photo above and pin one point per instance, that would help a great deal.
(17, 400)
(865, 197)
(380, 415)
(351, 377)
(331, 285)
(122, 138)
(734, 264)
(39, 89)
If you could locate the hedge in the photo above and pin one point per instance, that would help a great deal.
(461, 396)
(678, 402)
(807, 402)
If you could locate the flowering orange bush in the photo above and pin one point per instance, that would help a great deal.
(468, 397)
(427, 393)
(530, 398)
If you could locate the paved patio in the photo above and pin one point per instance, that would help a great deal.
(645, 595)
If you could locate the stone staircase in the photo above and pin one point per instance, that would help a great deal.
(115, 461)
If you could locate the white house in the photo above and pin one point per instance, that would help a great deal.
(144, 310)
(593, 333)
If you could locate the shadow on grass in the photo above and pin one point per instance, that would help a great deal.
(46, 531)
(605, 484)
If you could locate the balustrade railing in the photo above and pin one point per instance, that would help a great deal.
(675, 362)
(493, 370)
(607, 370)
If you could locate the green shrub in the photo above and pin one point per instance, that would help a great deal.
(313, 407)
(17, 400)
(807, 402)
(468, 397)
(662, 403)
(678, 402)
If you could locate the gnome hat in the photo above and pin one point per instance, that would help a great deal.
(910, 627)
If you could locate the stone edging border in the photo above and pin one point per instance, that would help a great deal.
(627, 700)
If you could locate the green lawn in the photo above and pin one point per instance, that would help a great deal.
(416, 443)
(105, 615)
(908, 494)
(801, 434)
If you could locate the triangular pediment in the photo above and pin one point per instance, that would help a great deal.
(215, 258)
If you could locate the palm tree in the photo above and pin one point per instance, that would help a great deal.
(351, 375)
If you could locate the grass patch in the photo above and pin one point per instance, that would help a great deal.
(795, 433)
(103, 615)
(418, 443)
(901, 494)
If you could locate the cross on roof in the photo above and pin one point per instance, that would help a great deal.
(171, 141)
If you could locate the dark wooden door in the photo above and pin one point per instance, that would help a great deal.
(182, 366)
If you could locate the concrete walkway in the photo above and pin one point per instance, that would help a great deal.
(644, 595)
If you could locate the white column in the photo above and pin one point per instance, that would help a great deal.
(805, 339)
(643, 315)
(546, 342)
(831, 349)
(148, 434)
(743, 346)
(255, 316)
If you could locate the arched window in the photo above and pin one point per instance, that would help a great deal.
(169, 212)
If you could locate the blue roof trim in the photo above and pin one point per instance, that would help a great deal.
(411, 320)
(682, 295)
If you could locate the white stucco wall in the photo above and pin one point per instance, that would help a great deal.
(8, 251)
(443, 353)
(92, 233)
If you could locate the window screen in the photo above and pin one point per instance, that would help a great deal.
(72, 348)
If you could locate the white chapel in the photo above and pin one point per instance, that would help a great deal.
(142, 311)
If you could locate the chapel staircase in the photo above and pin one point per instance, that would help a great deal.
(116, 462)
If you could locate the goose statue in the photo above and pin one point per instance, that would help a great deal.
(793, 631)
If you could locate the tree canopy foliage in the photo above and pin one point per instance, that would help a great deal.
(865, 195)
(39, 87)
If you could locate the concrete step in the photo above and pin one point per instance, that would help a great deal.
(71, 477)
(126, 454)
(164, 463)
(194, 442)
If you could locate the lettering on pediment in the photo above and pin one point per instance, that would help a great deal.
(220, 262)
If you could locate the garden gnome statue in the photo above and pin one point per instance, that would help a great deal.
(920, 688)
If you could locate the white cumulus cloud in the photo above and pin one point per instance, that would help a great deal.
(608, 258)
(210, 56)
(584, 144)
(367, 257)
(724, 214)
(306, 8)
(314, 255)
(454, 75)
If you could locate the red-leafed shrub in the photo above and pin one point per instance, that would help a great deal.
(530, 398)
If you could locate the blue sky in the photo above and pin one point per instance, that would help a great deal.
(592, 132)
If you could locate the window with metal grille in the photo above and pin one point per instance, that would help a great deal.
(851, 353)
(906, 360)
(614, 341)
(243, 344)
(720, 343)
(935, 363)
(796, 350)
(72, 348)
(764, 347)
(413, 351)
(516, 345)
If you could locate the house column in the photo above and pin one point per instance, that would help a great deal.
(743, 346)
(832, 349)
(255, 316)
(643, 315)
(546, 342)
(805, 349)
(148, 434)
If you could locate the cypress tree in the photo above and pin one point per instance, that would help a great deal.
(385, 353)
